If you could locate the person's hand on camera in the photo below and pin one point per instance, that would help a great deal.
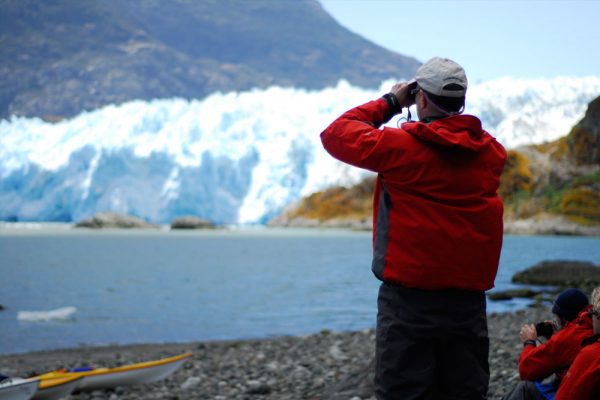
(528, 332)
(402, 92)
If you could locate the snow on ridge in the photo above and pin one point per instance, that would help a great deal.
(242, 156)
(528, 111)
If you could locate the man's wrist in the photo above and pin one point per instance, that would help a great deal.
(529, 342)
(393, 103)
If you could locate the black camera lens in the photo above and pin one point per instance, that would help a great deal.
(544, 329)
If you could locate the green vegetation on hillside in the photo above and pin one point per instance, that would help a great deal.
(561, 177)
(581, 201)
(517, 177)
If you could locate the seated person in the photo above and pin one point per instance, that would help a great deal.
(582, 381)
(556, 355)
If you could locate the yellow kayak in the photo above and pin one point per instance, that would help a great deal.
(57, 388)
(103, 378)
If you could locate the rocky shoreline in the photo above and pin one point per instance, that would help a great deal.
(549, 225)
(327, 365)
(545, 225)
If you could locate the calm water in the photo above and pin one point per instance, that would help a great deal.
(137, 287)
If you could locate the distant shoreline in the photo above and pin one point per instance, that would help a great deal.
(549, 226)
(541, 224)
(555, 226)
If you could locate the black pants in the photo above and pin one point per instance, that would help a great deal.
(431, 345)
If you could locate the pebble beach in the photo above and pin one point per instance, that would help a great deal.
(326, 365)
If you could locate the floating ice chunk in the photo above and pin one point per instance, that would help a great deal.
(63, 313)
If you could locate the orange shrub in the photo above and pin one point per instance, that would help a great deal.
(581, 204)
(517, 176)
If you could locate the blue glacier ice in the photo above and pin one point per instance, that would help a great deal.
(231, 158)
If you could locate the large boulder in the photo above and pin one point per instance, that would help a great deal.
(557, 275)
(191, 222)
(562, 273)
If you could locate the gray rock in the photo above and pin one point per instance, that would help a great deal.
(336, 352)
(191, 383)
(562, 273)
(257, 387)
(113, 220)
(191, 222)
(511, 294)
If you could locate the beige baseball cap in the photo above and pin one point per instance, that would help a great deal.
(441, 77)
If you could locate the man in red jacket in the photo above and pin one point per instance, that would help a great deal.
(582, 381)
(557, 353)
(437, 233)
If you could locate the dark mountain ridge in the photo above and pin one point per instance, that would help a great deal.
(62, 57)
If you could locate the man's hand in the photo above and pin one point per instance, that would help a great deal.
(528, 332)
(402, 93)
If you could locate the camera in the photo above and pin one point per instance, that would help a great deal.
(544, 329)
(412, 93)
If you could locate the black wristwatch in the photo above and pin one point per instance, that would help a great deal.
(393, 103)
(529, 341)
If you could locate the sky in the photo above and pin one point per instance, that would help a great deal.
(489, 38)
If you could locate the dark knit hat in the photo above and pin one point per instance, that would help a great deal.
(569, 303)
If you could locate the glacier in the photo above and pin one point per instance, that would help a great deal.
(231, 158)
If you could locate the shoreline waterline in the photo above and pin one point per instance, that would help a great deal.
(547, 226)
(175, 344)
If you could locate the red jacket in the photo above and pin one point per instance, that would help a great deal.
(437, 217)
(582, 382)
(557, 354)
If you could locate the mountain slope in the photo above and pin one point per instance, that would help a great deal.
(62, 57)
(560, 177)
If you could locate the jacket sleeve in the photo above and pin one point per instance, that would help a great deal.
(355, 137)
(539, 362)
(583, 379)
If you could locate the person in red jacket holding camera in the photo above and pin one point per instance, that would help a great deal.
(437, 232)
(582, 381)
(555, 356)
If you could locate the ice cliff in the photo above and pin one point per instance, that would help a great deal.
(233, 157)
